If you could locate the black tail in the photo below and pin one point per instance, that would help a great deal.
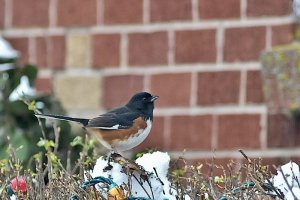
(82, 121)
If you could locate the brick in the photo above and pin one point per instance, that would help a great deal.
(2, 14)
(106, 50)
(295, 159)
(170, 10)
(174, 89)
(191, 132)
(244, 44)
(218, 88)
(148, 48)
(256, 8)
(283, 34)
(119, 89)
(214, 166)
(227, 165)
(155, 139)
(123, 12)
(78, 92)
(50, 52)
(43, 85)
(21, 44)
(41, 52)
(195, 46)
(239, 131)
(76, 13)
(280, 131)
(217, 9)
(30, 13)
(78, 57)
(273, 95)
(57, 52)
(254, 87)
(274, 162)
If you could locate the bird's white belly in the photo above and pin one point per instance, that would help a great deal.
(135, 140)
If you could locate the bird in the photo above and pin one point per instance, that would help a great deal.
(121, 128)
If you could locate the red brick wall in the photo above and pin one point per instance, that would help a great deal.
(200, 56)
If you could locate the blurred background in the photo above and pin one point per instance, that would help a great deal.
(211, 62)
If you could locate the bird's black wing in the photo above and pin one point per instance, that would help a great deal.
(119, 118)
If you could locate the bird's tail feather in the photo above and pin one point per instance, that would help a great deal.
(82, 121)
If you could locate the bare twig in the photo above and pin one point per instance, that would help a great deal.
(287, 183)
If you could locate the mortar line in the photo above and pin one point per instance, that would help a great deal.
(243, 87)
(171, 46)
(220, 43)
(146, 11)
(52, 13)
(167, 132)
(32, 49)
(146, 82)
(243, 9)
(264, 130)
(124, 51)
(195, 13)
(272, 21)
(214, 131)
(100, 12)
(234, 153)
(268, 37)
(8, 14)
(194, 87)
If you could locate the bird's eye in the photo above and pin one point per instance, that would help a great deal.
(144, 99)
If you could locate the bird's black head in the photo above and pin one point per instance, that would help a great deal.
(143, 102)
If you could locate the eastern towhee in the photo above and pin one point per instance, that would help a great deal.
(122, 128)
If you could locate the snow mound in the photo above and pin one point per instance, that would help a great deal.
(158, 160)
(288, 176)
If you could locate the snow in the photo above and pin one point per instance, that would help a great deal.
(22, 89)
(158, 160)
(296, 191)
(6, 51)
(290, 172)
(13, 197)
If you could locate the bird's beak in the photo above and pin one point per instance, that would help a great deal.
(154, 98)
